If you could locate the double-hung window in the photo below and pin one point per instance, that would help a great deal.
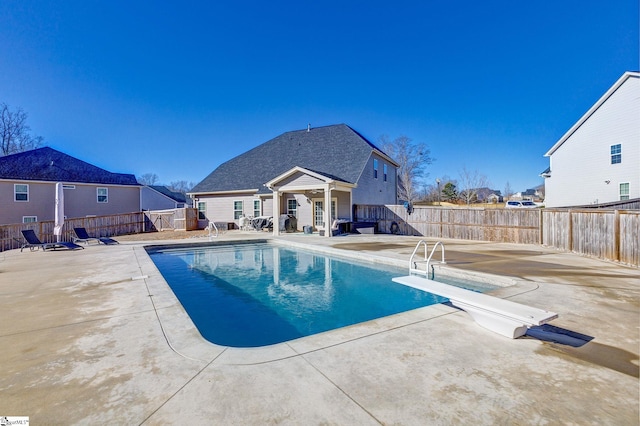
(202, 210)
(616, 154)
(384, 172)
(292, 207)
(375, 168)
(624, 191)
(20, 192)
(237, 209)
(103, 195)
(257, 210)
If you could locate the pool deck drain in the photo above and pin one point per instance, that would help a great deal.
(96, 336)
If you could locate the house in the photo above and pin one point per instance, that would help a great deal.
(598, 158)
(156, 197)
(299, 173)
(28, 180)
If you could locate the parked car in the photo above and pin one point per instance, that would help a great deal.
(521, 205)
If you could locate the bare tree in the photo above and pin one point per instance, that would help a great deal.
(16, 136)
(148, 179)
(507, 191)
(413, 158)
(181, 186)
(470, 183)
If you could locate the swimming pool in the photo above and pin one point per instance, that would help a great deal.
(257, 294)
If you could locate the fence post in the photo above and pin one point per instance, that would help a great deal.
(616, 235)
(541, 229)
(570, 230)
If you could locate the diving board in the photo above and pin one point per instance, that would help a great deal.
(504, 317)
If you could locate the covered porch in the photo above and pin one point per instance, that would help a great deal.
(315, 199)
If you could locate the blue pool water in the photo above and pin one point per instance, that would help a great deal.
(248, 295)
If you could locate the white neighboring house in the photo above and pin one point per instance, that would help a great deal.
(598, 159)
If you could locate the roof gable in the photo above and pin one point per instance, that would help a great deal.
(626, 76)
(335, 151)
(48, 164)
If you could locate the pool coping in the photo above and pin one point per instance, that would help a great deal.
(183, 337)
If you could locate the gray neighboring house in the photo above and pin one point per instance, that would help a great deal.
(303, 171)
(28, 180)
(156, 197)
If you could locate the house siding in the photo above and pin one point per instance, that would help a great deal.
(300, 179)
(376, 191)
(153, 200)
(78, 202)
(581, 166)
(219, 208)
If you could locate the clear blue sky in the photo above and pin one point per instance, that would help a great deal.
(177, 88)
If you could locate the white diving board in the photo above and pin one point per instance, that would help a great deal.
(504, 317)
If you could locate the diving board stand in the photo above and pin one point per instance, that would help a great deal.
(504, 317)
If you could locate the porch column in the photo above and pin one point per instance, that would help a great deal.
(276, 213)
(327, 211)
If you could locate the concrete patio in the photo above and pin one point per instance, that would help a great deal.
(97, 337)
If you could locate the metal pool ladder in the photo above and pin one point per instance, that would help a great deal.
(211, 227)
(414, 263)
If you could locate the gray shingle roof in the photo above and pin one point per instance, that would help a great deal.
(175, 196)
(48, 164)
(335, 151)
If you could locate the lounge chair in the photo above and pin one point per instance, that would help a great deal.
(33, 242)
(83, 237)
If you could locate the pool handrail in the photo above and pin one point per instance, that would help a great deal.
(211, 228)
(413, 264)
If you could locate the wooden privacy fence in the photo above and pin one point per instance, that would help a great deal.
(607, 234)
(98, 226)
(185, 219)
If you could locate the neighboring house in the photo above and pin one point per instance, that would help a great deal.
(28, 180)
(598, 159)
(155, 197)
(304, 171)
(488, 195)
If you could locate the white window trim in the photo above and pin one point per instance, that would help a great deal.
(35, 219)
(257, 212)
(98, 194)
(627, 195)
(15, 185)
(618, 154)
(203, 210)
(241, 209)
(294, 210)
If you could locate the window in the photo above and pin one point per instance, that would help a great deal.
(624, 191)
(29, 219)
(616, 154)
(202, 210)
(103, 195)
(292, 207)
(375, 168)
(257, 211)
(21, 192)
(237, 209)
(384, 172)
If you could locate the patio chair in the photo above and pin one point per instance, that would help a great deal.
(83, 237)
(33, 242)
